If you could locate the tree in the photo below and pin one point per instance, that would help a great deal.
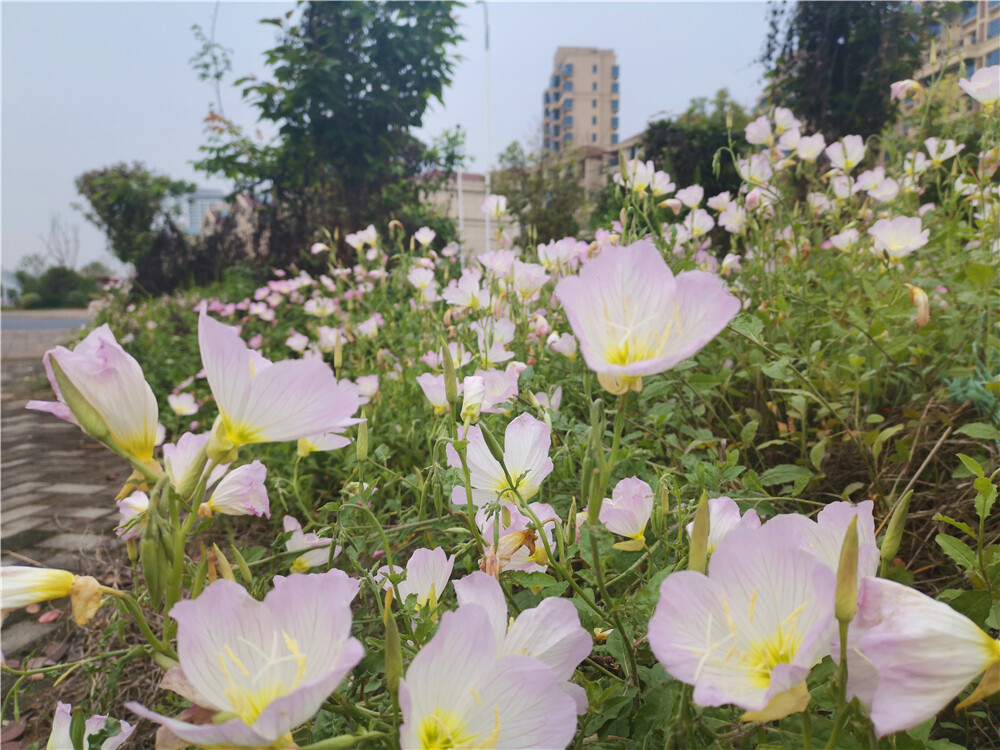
(131, 205)
(832, 62)
(63, 242)
(349, 81)
(543, 192)
(686, 146)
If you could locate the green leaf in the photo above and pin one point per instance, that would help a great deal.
(958, 551)
(979, 274)
(749, 431)
(884, 435)
(960, 525)
(749, 325)
(784, 473)
(971, 464)
(979, 431)
(817, 453)
(986, 497)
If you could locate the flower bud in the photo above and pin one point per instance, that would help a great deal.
(450, 381)
(847, 576)
(473, 394)
(919, 299)
(361, 445)
(698, 554)
(393, 647)
(225, 569)
(894, 532)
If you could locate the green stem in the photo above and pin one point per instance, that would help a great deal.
(344, 740)
(633, 668)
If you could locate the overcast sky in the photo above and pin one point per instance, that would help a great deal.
(86, 85)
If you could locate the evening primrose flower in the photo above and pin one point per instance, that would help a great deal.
(459, 692)
(494, 205)
(263, 667)
(749, 632)
(424, 236)
(691, 196)
(902, 89)
(240, 493)
(940, 151)
(846, 153)
(318, 553)
(638, 176)
(983, 86)
(473, 393)
(898, 237)
(427, 573)
(627, 512)
(519, 548)
(810, 147)
(909, 655)
(108, 395)
(528, 279)
(183, 404)
(180, 456)
(526, 456)
(133, 506)
(723, 518)
(261, 402)
(633, 317)
(434, 389)
(550, 632)
(21, 586)
(61, 737)
(845, 240)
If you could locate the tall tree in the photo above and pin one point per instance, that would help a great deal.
(130, 205)
(350, 80)
(543, 192)
(833, 62)
(685, 146)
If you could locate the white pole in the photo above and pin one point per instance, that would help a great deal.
(489, 154)
(461, 215)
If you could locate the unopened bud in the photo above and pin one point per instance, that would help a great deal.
(894, 532)
(393, 648)
(846, 605)
(491, 443)
(698, 554)
(361, 445)
(473, 394)
(87, 416)
(450, 381)
(225, 569)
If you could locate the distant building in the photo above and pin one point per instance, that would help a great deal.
(199, 204)
(581, 102)
(467, 214)
(970, 40)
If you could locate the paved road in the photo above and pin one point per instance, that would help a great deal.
(28, 334)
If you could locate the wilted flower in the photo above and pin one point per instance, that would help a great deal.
(902, 89)
(110, 398)
(633, 317)
(918, 297)
(261, 402)
(21, 586)
(526, 457)
(459, 692)
(262, 667)
(61, 737)
(908, 656)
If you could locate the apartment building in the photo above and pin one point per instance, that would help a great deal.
(970, 40)
(582, 100)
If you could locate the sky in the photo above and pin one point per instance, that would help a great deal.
(87, 85)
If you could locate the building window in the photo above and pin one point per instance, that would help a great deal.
(993, 4)
(614, 123)
(567, 137)
(593, 120)
(993, 29)
(555, 96)
(555, 131)
(614, 88)
(614, 139)
(993, 58)
(568, 120)
(973, 40)
(614, 105)
(568, 86)
(970, 68)
(555, 114)
(546, 97)
(555, 145)
(593, 86)
(546, 111)
(568, 69)
(555, 82)
(593, 103)
(595, 69)
(568, 104)
(968, 10)
(934, 29)
(593, 137)
(614, 68)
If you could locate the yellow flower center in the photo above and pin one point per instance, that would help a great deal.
(443, 729)
(250, 695)
(626, 345)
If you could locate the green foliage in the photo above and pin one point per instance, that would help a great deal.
(686, 146)
(131, 205)
(832, 62)
(543, 193)
(350, 80)
(56, 287)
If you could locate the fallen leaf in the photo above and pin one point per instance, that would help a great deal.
(51, 616)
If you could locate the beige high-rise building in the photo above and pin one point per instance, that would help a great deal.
(581, 101)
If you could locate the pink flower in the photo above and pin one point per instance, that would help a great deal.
(240, 493)
(633, 317)
(983, 86)
(847, 153)
(724, 517)
(898, 237)
(627, 511)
